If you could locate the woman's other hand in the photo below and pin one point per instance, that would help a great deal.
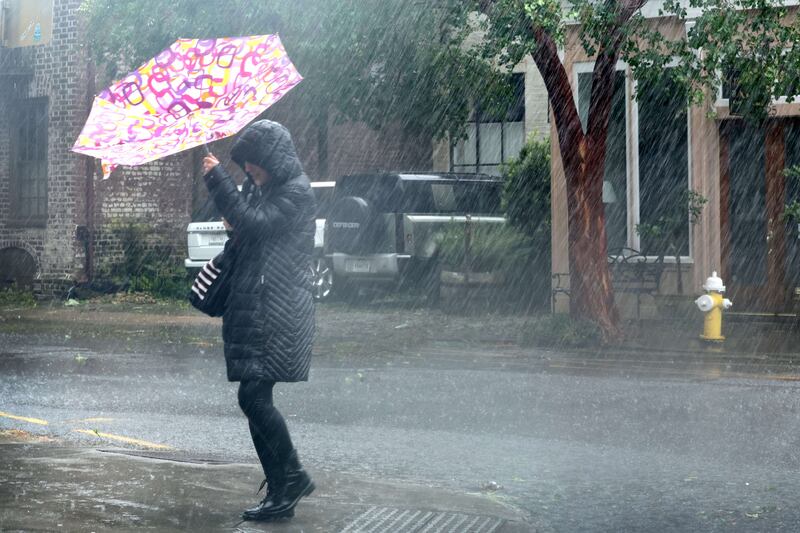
(209, 162)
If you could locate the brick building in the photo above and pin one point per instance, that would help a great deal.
(43, 92)
(56, 215)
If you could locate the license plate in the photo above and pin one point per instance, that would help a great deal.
(215, 241)
(357, 266)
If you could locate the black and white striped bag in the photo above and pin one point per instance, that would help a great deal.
(210, 288)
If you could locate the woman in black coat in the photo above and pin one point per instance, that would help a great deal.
(268, 324)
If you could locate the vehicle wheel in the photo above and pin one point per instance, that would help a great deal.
(321, 279)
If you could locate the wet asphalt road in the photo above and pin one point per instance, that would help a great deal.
(594, 450)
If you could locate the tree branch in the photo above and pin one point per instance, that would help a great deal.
(559, 90)
(601, 95)
(605, 66)
(627, 8)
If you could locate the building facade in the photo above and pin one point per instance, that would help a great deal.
(657, 151)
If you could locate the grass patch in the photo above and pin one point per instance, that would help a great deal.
(560, 331)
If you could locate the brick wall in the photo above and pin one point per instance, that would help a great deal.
(352, 147)
(157, 195)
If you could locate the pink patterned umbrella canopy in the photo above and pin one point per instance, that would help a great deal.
(194, 92)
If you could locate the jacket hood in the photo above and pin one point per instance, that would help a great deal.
(269, 145)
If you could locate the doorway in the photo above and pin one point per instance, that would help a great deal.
(759, 245)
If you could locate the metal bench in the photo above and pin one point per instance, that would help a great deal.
(631, 272)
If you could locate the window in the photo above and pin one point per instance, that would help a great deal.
(730, 92)
(645, 189)
(29, 162)
(324, 197)
(492, 139)
(616, 168)
(663, 169)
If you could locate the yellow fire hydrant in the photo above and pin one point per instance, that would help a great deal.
(712, 304)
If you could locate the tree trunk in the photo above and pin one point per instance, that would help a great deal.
(583, 158)
(592, 293)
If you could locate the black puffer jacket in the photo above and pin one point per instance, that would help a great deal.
(268, 325)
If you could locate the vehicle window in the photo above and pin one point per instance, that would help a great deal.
(418, 197)
(424, 196)
(481, 197)
(443, 197)
(324, 197)
(453, 197)
(384, 193)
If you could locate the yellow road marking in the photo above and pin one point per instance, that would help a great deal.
(120, 438)
(25, 419)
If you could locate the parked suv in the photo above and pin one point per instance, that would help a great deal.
(383, 229)
(206, 237)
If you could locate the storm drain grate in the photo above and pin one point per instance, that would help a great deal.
(389, 520)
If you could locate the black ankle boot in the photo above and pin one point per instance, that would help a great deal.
(274, 506)
(284, 490)
(298, 482)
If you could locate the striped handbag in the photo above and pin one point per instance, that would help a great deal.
(210, 289)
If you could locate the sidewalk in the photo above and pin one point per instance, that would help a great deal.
(746, 335)
(44, 487)
(384, 328)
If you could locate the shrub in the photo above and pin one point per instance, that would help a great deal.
(526, 193)
(16, 297)
(148, 264)
(526, 200)
(493, 248)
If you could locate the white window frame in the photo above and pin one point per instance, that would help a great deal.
(632, 155)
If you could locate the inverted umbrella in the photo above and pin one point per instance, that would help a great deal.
(194, 92)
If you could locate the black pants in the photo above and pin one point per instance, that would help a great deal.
(267, 428)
